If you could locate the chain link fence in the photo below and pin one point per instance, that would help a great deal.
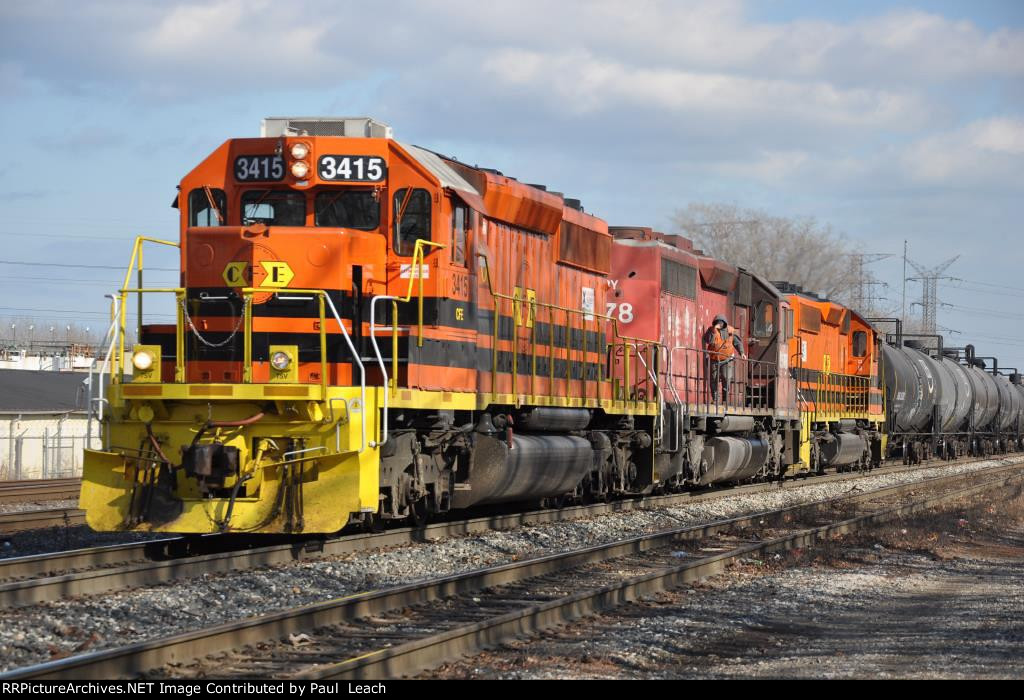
(46, 456)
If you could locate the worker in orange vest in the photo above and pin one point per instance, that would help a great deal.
(722, 344)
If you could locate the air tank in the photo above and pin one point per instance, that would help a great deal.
(911, 387)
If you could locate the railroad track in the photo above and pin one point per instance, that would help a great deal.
(39, 578)
(402, 630)
(19, 521)
(30, 490)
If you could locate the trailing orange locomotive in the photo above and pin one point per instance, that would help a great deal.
(369, 330)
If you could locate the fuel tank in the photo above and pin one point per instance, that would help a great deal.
(536, 466)
(732, 458)
(911, 387)
(843, 448)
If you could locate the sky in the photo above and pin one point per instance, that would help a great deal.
(889, 121)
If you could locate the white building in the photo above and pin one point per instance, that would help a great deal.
(73, 359)
(43, 424)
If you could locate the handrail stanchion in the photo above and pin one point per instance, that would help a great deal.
(323, 345)
(179, 338)
(247, 336)
(414, 272)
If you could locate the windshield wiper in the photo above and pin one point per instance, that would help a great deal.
(316, 214)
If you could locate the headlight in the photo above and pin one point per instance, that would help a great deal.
(142, 361)
(280, 361)
(300, 169)
(300, 151)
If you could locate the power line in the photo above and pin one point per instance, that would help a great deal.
(123, 239)
(989, 284)
(82, 267)
(63, 280)
(994, 292)
(63, 311)
(984, 312)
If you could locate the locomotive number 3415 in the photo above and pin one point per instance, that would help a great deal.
(352, 168)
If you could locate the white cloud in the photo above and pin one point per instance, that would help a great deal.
(982, 153)
(999, 135)
(582, 82)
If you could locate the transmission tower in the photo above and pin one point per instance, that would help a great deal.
(864, 282)
(929, 279)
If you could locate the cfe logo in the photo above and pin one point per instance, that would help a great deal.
(234, 274)
(278, 274)
(271, 273)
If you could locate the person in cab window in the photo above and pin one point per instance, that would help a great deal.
(723, 345)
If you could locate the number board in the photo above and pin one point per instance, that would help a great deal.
(259, 168)
(352, 168)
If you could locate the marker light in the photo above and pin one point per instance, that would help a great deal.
(300, 151)
(300, 169)
(280, 361)
(142, 361)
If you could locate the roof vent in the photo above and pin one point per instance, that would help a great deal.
(574, 204)
(355, 127)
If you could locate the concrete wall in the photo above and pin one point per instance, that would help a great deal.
(42, 446)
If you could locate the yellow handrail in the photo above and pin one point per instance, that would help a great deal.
(320, 294)
(417, 270)
(117, 372)
(179, 340)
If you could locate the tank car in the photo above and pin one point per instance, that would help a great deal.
(944, 402)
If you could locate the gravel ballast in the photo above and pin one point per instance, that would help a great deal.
(941, 598)
(50, 630)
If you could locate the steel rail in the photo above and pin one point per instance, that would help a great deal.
(40, 578)
(19, 521)
(427, 652)
(39, 490)
(140, 657)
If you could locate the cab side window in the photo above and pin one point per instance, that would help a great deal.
(207, 207)
(764, 320)
(860, 344)
(460, 227)
(411, 217)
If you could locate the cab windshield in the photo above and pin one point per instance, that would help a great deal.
(347, 208)
(274, 208)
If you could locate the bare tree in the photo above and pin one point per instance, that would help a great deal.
(801, 251)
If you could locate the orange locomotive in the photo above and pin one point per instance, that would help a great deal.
(835, 357)
(368, 329)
